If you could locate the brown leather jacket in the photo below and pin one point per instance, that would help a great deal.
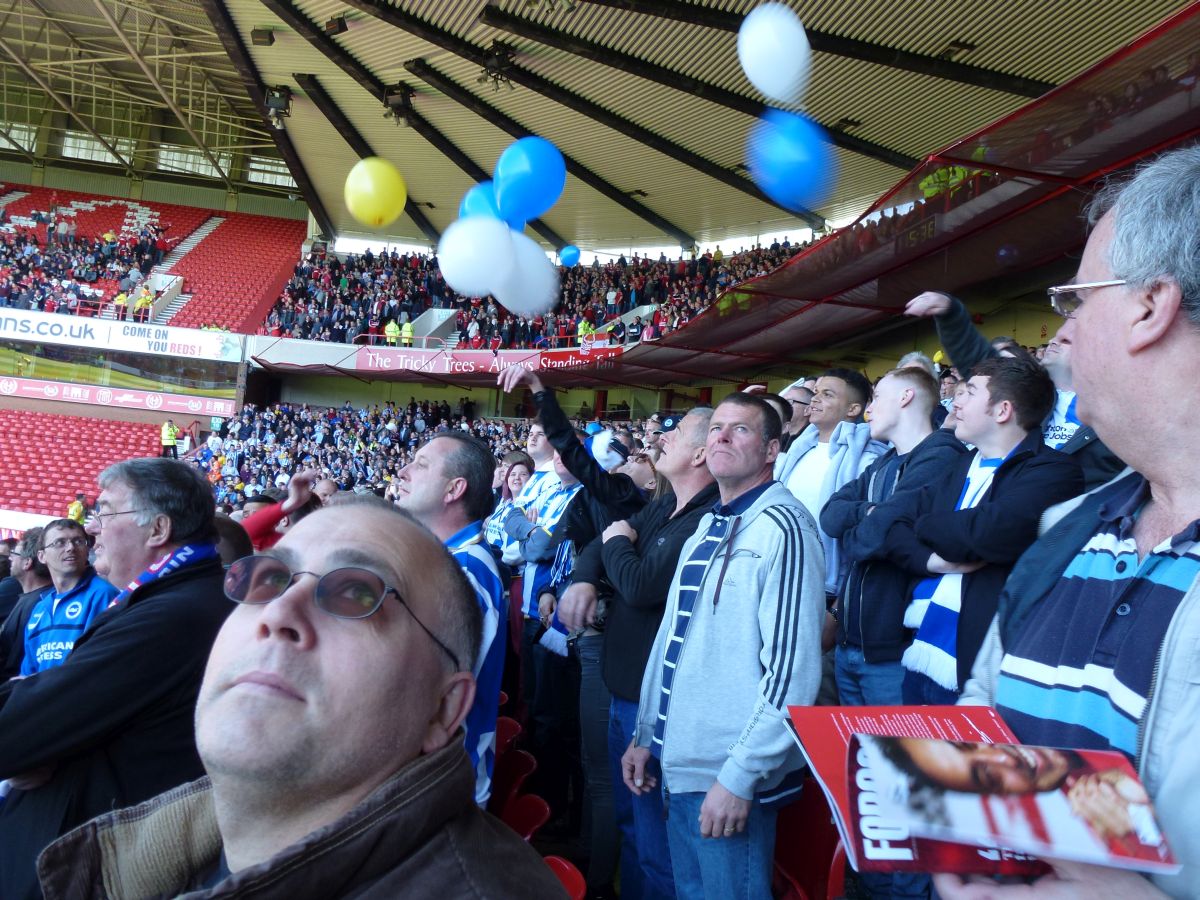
(418, 835)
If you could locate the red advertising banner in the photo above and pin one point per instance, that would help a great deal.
(475, 362)
(125, 398)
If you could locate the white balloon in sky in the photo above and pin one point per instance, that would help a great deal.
(475, 254)
(531, 287)
(774, 52)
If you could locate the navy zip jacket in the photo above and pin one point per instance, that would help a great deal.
(875, 592)
(996, 531)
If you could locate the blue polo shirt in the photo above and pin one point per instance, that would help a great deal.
(1080, 673)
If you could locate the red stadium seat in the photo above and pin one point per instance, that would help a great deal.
(508, 776)
(526, 815)
(808, 849)
(507, 731)
(570, 877)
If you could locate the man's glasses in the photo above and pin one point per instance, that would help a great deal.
(1066, 300)
(64, 542)
(100, 518)
(345, 593)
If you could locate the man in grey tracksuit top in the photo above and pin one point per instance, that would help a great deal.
(739, 643)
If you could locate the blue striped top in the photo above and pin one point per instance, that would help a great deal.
(1080, 673)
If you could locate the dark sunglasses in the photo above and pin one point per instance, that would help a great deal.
(345, 593)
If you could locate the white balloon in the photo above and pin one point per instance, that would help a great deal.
(475, 254)
(531, 288)
(774, 52)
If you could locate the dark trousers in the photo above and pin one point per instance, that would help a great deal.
(599, 819)
(170, 451)
(554, 741)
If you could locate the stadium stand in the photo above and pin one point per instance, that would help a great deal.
(236, 272)
(45, 459)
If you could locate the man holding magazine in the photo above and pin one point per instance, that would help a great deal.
(1095, 644)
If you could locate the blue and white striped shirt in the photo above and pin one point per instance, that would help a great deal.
(479, 564)
(1080, 673)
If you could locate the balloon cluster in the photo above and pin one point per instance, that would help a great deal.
(787, 153)
(486, 250)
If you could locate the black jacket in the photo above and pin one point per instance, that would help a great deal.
(606, 497)
(639, 577)
(875, 592)
(114, 720)
(996, 531)
(967, 348)
(12, 634)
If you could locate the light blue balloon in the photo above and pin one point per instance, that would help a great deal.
(479, 201)
(569, 255)
(790, 159)
(529, 177)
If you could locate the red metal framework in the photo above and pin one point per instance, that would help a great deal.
(998, 203)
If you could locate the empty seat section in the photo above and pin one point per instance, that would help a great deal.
(46, 458)
(238, 271)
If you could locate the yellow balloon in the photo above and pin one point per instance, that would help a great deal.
(375, 192)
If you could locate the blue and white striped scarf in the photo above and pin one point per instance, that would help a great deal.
(937, 601)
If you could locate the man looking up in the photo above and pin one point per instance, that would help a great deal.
(835, 449)
(963, 534)
(798, 395)
(1116, 573)
(76, 596)
(750, 575)
(447, 487)
(623, 579)
(113, 723)
(871, 636)
(1062, 428)
(329, 723)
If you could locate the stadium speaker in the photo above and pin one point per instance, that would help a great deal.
(336, 25)
(262, 37)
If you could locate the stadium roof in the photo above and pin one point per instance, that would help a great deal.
(645, 97)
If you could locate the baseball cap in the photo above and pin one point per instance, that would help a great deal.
(669, 423)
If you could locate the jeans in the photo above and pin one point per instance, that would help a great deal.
(861, 683)
(721, 868)
(594, 704)
(921, 690)
(645, 855)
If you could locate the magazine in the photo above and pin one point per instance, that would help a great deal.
(883, 832)
(874, 844)
(1082, 805)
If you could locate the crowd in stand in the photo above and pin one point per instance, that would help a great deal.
(967, 536)
(66, 273)
(371, 297)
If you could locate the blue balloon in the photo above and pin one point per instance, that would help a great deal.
(479, 201)
(569, 255)
(530, 176)
(517, 225)
(790, 159)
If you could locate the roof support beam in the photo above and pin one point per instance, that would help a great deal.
(226, 30)
(368, 82)
(624, 62)
(162, 92)
(406, 21)
(836, 45)
(63, 104)
(464, 97)
(343, 126)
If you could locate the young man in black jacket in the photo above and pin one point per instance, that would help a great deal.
(871, 636)
(112, 725)
(1061, 429)
(630, 567)
(960, 536)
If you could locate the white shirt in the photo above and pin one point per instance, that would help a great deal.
(808, 476)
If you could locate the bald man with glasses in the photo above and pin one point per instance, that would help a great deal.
(329, 723)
